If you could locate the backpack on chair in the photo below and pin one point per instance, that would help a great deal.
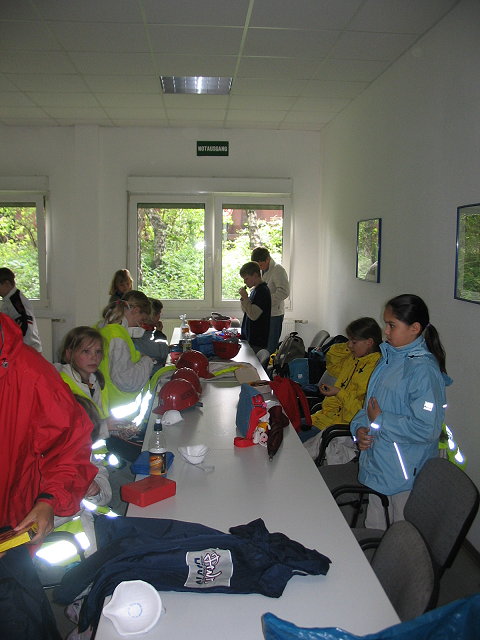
(291, 348)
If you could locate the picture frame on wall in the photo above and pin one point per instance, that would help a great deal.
(369, 240)
(467, 265)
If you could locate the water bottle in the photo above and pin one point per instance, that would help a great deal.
(185, 333)
(157, 448)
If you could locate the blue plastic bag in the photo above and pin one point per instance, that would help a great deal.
(459, 620)
(204, 344)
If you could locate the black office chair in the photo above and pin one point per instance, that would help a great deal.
(350, 495)
(319, 338)
(442, 505)
(403, 565)
(329, 434)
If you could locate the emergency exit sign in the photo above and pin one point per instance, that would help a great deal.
(212, 148)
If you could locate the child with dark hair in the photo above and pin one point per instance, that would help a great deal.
(19, 308)
(256, 307)
(154, 342)
(399, 427)
(351, 364)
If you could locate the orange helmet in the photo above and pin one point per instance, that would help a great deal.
(188, 374)
(195, 360)
(176, 394)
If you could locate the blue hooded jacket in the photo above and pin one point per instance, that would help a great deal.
(410, 391)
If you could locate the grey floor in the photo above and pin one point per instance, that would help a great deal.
(460, 580)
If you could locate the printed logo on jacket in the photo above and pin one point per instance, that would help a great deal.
(209, 568)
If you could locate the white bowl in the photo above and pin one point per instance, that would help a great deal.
(195, 453)
(135, 607)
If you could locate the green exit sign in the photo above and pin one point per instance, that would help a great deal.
(212, 148)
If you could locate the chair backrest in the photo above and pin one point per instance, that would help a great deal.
(442, 505)
(403, 565)
(263, 356)
(319, 338)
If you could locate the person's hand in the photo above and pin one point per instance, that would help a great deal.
(42, 514)
(373, 410)
(92, 490)
(159, 325)
(243, 293)
(329, 390)
(364, 440)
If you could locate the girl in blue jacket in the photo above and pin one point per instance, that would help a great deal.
(398, 429)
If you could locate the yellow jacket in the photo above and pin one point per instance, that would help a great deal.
(352, 376)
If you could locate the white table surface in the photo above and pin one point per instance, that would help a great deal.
(288, 493)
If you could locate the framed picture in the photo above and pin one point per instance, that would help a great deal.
(368, 249)
(467, 268)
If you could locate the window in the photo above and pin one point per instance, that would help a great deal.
(244, 228)
(188, 249)
(22, 242)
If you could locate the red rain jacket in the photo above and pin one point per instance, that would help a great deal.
(45, 443)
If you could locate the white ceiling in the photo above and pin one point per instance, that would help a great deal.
(295, 63)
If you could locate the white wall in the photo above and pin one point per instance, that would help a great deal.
(88, 168)
(408, 151)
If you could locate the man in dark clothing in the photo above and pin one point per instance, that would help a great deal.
(256, 307)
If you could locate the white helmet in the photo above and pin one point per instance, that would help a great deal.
(135, 607)
(172, 416)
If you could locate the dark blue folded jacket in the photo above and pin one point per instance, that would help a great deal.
(184, 556)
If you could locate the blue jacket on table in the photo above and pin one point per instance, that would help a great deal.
(185, 556)
(410, 391)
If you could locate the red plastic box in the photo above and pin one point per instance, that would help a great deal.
(149, 490)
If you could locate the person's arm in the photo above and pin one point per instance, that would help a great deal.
(125, 374)
(101, 493)
(281, 285)
(252, 310)
(61, 442)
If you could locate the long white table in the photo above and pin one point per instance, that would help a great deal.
(288, 493)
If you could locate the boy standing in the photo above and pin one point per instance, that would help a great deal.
(16, 305)
(276, 278)
(256, 307)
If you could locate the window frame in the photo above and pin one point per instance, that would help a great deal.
(39, 200)
(213, 202)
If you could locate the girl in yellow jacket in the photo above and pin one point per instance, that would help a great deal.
(350, 364)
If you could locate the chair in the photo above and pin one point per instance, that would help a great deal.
(329, 434)
(342, 480)
(442, 505)
(319, 338)
(403, 565)
(263, 357)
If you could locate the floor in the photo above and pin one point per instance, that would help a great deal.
(461, 580)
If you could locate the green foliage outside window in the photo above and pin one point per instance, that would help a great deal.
(171, 242)
(19, 247)
(170, 254)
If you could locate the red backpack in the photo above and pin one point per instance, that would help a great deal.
(293, 400)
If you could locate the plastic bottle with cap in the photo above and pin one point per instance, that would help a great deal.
(158, 450)
(185, 333)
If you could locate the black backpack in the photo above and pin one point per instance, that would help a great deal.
(292, 347)
(317, 362)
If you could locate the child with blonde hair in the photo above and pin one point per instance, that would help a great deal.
(126, 370)
(82, 352)
(122, 283)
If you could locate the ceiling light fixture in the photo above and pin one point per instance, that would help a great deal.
(196, 84)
